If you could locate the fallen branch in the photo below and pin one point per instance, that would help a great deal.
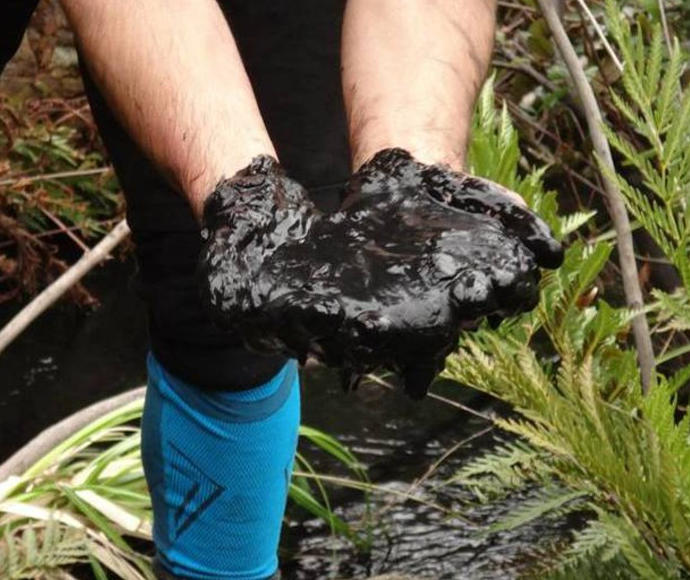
(664, 23)
(616, 204)
(47, 440)
(51, 294)
(55, 231)
(69, 232)
(60, 175)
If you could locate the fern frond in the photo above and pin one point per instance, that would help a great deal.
(504, 468)
(550, 501)
(574, 221)
(674, 309)
(627, 539)
(591, 556)
(654, 61)
(677, 135)
(669, 88)
(38, 551)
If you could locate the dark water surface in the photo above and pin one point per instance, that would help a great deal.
(71, 357)
(399, 439)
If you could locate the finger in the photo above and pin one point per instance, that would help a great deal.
(478, 195)
(358, 341)
(362, 340)
(520, 294)
(472, 184)
(473, 295)
(532, 231)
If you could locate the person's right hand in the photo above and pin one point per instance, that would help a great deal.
(388, 282)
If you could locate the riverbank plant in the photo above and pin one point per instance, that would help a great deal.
(85, 503)
(582, 436)
(588, 439)
(58, 193)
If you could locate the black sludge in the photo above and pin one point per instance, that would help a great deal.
(387, 282)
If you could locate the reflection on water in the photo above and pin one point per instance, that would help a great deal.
(399, 439)
(70, 358)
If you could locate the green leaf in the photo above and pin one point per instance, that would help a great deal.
(547, 502)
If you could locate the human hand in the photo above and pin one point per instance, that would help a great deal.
(461, 191)
(387, 282)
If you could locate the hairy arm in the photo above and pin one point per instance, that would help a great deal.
(411, 73)
(172, 73)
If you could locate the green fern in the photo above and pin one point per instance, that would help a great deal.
(507, 467)
(551, 501)
(591, 556)
(600, 436)
(585, 429)
(41, 551)
(674, 310)
(657, 108)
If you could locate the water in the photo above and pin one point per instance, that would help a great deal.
(71, 357)
(399, 440)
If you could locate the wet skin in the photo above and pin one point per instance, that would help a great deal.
(416, 253)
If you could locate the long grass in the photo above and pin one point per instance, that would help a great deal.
(86, 502)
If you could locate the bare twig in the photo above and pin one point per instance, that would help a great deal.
(619, 215)
(60, 224)
(664, 24)
(56, 231)
(516, 111)
(60, 175)
(528, 70)
(516, 6)
(65, 229)
(601, 35)
(450, 451)
(559, 7)
(51, 294)
(386, 385)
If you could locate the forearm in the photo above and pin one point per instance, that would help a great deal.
(171, 71)
(411, 73)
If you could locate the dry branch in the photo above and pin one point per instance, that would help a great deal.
(47, 440)
(60, 175)
(51, 294)
(616, 203)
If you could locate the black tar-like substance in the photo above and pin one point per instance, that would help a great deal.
(416, 253)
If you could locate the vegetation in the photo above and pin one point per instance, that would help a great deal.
(86, 503)
(589, 439)
(56, 188)
(583, 436)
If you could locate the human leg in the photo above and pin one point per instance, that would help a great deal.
(218, 466)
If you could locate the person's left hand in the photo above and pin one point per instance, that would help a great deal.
(459, 191)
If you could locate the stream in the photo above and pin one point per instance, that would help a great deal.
(71, 357)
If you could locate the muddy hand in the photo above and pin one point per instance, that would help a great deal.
(467, 193)
(496, 243)
(385, 283)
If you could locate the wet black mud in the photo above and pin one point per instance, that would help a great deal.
(416, 254)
